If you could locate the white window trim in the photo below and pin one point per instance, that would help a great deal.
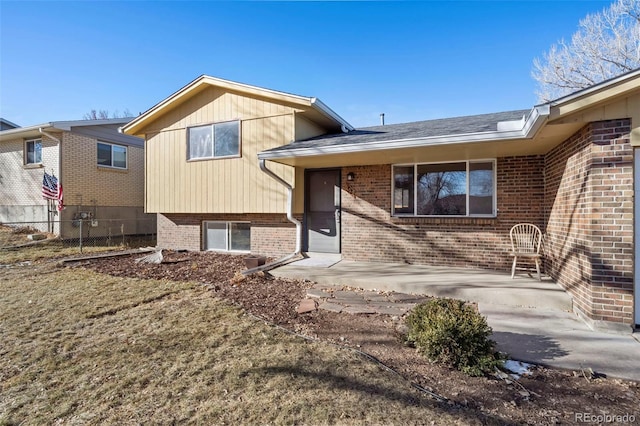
(415, 189)
(126, 156)
(213, 156)
(228, 230)
(26, 142)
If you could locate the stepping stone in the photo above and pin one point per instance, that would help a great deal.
(317, 293)
(307, 305)
(390, 310)
(349, 298)
(376, 297)
(331, 307)
(407, 298)
(359, 310)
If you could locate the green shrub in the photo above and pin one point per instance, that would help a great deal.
(448, 331)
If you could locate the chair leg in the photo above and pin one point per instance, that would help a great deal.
(513, 267)
(538, 269)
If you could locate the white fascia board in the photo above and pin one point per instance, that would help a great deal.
(324, 109)
(603, 85)
(67, 125)
(532, 124)
(7, 134)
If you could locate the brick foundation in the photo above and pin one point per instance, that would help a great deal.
(271, 234)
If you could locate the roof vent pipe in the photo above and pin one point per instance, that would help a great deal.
(382, 119)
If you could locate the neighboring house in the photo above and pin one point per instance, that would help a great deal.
(6, 124)
(101, 172)
(440, 192)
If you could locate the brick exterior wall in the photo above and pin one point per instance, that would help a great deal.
(87, 184)
(370, 233)
(589, 211)
(271, 234)
(21, 185)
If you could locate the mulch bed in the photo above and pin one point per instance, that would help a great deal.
(546, 396)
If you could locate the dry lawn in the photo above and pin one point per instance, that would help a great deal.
(43, 249)
(81, 347)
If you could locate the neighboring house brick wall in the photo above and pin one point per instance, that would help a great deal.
(84, 181)
(21, 186)
(114, 196)
(589, 209)
(370, 233)
(271, 234)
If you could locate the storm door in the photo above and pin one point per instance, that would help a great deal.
(322, 211)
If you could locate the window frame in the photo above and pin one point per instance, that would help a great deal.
(494, 200)
(111, 145)
(26, 151)
(213, 141)
(228, 228)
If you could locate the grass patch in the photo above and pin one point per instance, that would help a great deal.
(82, 347)
(10, 237)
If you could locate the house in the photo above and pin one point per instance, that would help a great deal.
(100, 170)
(223, 158)
(6, 124)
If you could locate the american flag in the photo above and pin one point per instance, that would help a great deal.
(52, 190)
(50, 186)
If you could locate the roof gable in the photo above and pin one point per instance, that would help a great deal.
(318, 111)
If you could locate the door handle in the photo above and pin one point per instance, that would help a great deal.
(337, 216)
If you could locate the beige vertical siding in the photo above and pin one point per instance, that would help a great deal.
(234, 185)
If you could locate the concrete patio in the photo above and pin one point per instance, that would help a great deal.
(532, 320)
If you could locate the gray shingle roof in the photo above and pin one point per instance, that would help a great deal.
(417, 129)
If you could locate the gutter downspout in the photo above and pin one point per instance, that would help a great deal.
(290, 218)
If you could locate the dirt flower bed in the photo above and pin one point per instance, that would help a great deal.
(545, 396)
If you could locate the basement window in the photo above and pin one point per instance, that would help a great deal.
(226, 236)
(463, 188)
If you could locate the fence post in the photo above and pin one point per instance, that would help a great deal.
(81, 234)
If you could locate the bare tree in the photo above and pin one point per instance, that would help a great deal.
(103, 114)
(606, 44)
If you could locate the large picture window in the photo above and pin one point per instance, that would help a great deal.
(214, 141)
(110, 155)
(33, 151)
(465, 188)
(227, 236)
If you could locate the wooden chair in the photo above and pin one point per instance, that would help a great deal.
(526, 240)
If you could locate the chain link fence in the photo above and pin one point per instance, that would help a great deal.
(82, 232)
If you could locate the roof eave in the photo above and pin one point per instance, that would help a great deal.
(325, 110)
(595, 88)
(534, 122)
(56, 126)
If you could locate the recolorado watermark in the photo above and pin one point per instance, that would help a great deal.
(604, 418)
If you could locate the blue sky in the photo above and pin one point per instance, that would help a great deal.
(410, 60)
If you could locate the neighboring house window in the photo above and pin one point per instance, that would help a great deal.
(214, 140)
(33, 151)
(110, 155)
(227, 236)
(465, 188)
